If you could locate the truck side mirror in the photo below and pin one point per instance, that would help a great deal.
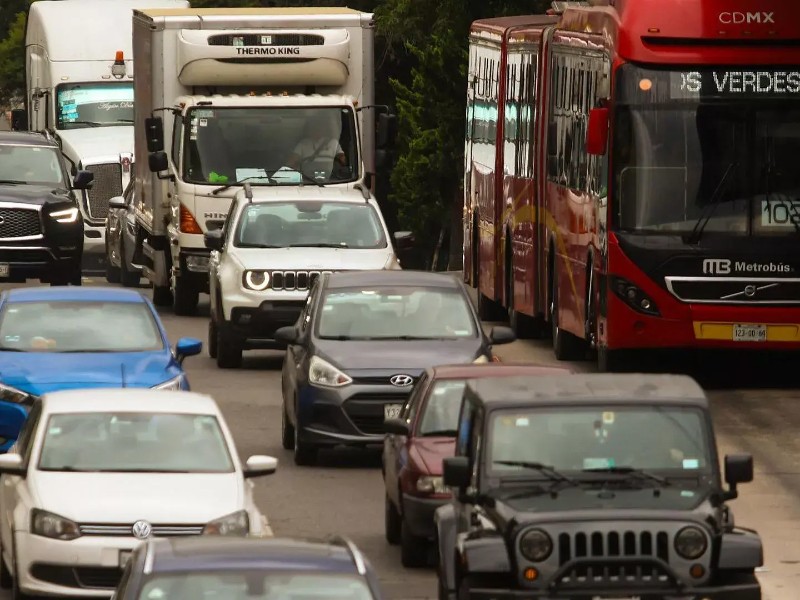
(387, 131)
(157, 161)
(19, 119)
(597, 132)
(154, 132)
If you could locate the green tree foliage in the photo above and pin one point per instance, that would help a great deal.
(12, 50)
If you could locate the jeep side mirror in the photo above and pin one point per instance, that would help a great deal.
(157, 161)
(19, 119)
(83, 180)
(455, 471)
(738, 469)
(154, 133)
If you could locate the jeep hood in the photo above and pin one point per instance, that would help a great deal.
(314, 259)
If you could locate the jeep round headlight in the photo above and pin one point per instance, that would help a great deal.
(535, 545)
(691, 542)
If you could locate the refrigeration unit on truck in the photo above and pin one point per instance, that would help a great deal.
(228, 95)
(79, 87)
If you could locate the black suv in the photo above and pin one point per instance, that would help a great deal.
(592, 486)
(41, 228)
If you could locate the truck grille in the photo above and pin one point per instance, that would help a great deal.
(366, 410)
(127, 530)
(294, 280)
(107, 184)
(258, 39)
(19, 222)
(734, 290)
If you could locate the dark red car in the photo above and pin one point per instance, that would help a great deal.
(417, 442)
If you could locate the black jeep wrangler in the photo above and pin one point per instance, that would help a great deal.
(592, 487)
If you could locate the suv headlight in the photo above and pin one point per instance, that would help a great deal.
(255, 280)
(321, 372)
(10, 394)
(237, 523)
(53, 526)
(173, 384)
(535, 545)
(68, 215)
(691, 543)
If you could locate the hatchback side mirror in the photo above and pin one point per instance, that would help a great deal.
(257, 466)
(11, 464)
(187, 347)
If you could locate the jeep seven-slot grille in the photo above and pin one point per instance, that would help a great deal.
(294, 280)
(259, 39)
(19, 222)
(107, 184)
(607, 546)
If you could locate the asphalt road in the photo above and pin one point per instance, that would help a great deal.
(755, 404)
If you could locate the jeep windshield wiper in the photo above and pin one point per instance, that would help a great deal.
(632, 473)
(319, 245)
(12, 182)
(702, 221)
(536, 466)
(89, 123)
(247, 245)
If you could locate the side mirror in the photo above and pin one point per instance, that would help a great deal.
(83, 180)
(117, 202)
(738, 469)
(387, 131)
(501, 335)
(396, 427)
(19, 119)
(154, 132)
(404, 240)
(597, 132)
(257, 466)
(213, 239)
(455, 471)
(11, 464)
(187, 347)
(287, 335)
(157, 161)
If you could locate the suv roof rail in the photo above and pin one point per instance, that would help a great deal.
(355, 553)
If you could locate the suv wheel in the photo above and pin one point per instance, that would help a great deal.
(212, 338)
(229, 349)
(112, 273)
(162, 295)
(392, 522)
(413, 549)
(287, 430)
(304, 454)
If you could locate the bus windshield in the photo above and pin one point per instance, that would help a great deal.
(709, 149)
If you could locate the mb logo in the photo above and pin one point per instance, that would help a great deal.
(716, 266)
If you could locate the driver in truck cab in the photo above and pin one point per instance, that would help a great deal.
(317, 143)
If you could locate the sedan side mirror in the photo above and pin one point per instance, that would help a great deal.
(11, 464)
(187, 347)
(738, 469)
(501, 335)
(213, 239)
(287, 335)
(83, 180)
(396, 427)
(455, 471)
(404, 240)
(257, 466)
(117, 202)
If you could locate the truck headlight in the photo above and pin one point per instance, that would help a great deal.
(321, 372)
(53, 526)
(691, 543)
(237, 523)
(535, 545)
(173, 384)
(256, 280)
(68, 215)
(15, 396)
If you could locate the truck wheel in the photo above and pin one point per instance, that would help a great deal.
(229, 349)
(413, 550)
(185, 298)
(162, 296)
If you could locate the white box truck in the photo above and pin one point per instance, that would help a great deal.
(79, 87)
(270, 96)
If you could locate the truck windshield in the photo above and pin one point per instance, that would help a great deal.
(80, 105)
(715, 145)
(270, 146)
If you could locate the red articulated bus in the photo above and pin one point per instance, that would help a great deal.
(630, 175)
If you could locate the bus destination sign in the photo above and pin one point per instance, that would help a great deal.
(735, 83)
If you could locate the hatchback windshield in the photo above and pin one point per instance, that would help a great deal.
(135, 442)
(82, 105)
(31, 164)
(586, 438)
(440, 415)
(256, 585)
(78, 327)
(396, 313)
(313, 224)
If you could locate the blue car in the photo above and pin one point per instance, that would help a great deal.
(61, 338)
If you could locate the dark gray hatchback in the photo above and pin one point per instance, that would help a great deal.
(359, 346)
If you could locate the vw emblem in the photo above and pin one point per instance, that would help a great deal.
(750, 291)
(141, 530)
(402, 380)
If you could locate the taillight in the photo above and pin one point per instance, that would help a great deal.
(188, 223)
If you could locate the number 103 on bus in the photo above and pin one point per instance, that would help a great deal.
(780, 213)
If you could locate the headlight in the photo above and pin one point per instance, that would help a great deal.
(170, 385)
(481, 359)
(535, 545)
(321, 372)
(10, 394)
(431, 485)
(237, 523)
(53, 526)
(256, 280)
(68, 215)
(691, 542)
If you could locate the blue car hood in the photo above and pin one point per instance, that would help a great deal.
(41, 372)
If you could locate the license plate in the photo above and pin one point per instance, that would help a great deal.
(124, 556)
(749, 333)
(4, 270)
(391, 411)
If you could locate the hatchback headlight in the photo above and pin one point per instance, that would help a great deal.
(535, 545)
(237, 523)
(691, 543)
(321, 372)
(173, 384)
(256, 280)
(53, 526)
(68, 215)
(11, 394)
(481, 359)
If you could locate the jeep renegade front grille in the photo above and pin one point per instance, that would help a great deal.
(294, 280)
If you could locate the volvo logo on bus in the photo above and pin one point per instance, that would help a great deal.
(738, 18)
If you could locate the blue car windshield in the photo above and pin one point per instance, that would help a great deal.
(79, 327)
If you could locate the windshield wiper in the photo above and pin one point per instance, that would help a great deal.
(90, 123)
(124, 120)
(550, 472)
(702, 221)
(632, 473)
(246, 245)
(308, 179)
(319, 245)
(267, 175)
(12, 182)
(441, 433)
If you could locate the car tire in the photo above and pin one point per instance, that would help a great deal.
(392, 522)
(213, 340)
(229, 350)
(287, 430)
(305, 455)
(162, 295)
(127, 278)
(113, 274)
(413, 549)
(184, 298)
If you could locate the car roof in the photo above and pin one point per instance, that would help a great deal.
(134, 400)
(390, 277)
(73, 294)
(582, 388)
(215, 552)
(494, 369)
(29, 138)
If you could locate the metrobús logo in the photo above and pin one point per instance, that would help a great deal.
(724, 266)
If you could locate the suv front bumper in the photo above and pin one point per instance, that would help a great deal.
(745, 591)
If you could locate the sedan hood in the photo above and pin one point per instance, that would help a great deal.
(97, 143)
(160, 498)
(416, 355)
(313, 259)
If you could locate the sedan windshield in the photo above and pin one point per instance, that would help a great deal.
(256, 585)
(311, 224)
(588, 438)
(82, 105)
(135, 442)
(38, 165)
(440, 415)
(396, 313)
(79, 327)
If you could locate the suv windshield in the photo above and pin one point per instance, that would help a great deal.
(37, 165)
(135, 442)
(650, 438)
(321, 224)
(396, 313)
(80, 105)
(78, 327)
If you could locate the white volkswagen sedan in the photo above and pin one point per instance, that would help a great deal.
(96, 471)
